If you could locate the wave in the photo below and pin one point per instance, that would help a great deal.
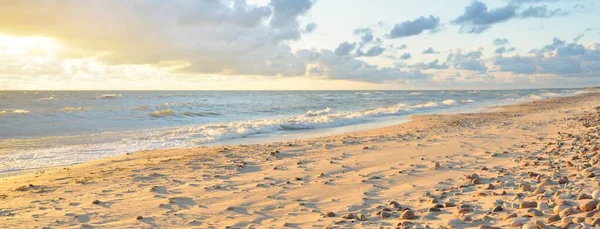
(161, 113)
(449, 102)
(74, 109)
(467, 101)
(190, 113)
(14, 111)
(109, 96)
(48, 98)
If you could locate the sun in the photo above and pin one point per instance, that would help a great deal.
(27, 46)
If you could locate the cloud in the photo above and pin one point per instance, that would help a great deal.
(500, 41)
(344, 67)
(310, 27)
(415, 27)
(502, 50)
(542, 12)
(285, 12)
(210, 37)
(476, 17)
(405, 56)
(365, 33)
(467, 61)
(558, 58)
(344, 48)
(402, 46)
(374, 51)
(429, 51)
(435, 64)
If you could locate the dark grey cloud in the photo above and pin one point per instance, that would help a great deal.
(415, 27)
(558, 58)
(344, 48)
(500, 41)
(467, 61)
(542, 12)
(405, 56)
(429, 50)
(476, 17)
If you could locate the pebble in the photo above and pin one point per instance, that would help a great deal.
(588, 205)
(407, 214)
(528, 204)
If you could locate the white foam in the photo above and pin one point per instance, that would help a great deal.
(49, 98)
(74, 109)
(20, 111)
(449, 102)
(161, 113)
(109, 96)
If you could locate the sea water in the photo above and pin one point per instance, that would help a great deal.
(40, 129)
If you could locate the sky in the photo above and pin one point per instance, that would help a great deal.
(298, 44)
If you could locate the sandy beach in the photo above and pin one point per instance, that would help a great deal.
(529, 165)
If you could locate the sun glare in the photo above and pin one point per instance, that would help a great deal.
(14, 45)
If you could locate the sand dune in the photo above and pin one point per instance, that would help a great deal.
(530, 165)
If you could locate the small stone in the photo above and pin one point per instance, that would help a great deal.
(139, 218)
(330, 214)
(589, 174)
(595, 222)
(436, 165)
(519, 222)
(348, 216)
(545, 182)
(394, 204)
(540, 224)
(588, 205)
(553, 218)
(510, 216)
(528, 204)
(96, 202)
(525, 187)
(497, 209)
(535, 212)
(567, 212)
(434, 209)
(385, 214)
(407, 214)
(596, 194)
(360, 217)
(449, 205)
(563, 180)
(476, 181)
(584, 196)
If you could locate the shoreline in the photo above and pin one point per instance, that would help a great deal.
(298, 182)
(55, 160)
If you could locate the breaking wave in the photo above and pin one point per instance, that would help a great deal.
(109, 96)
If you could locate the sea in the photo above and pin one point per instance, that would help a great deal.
(43, 129)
